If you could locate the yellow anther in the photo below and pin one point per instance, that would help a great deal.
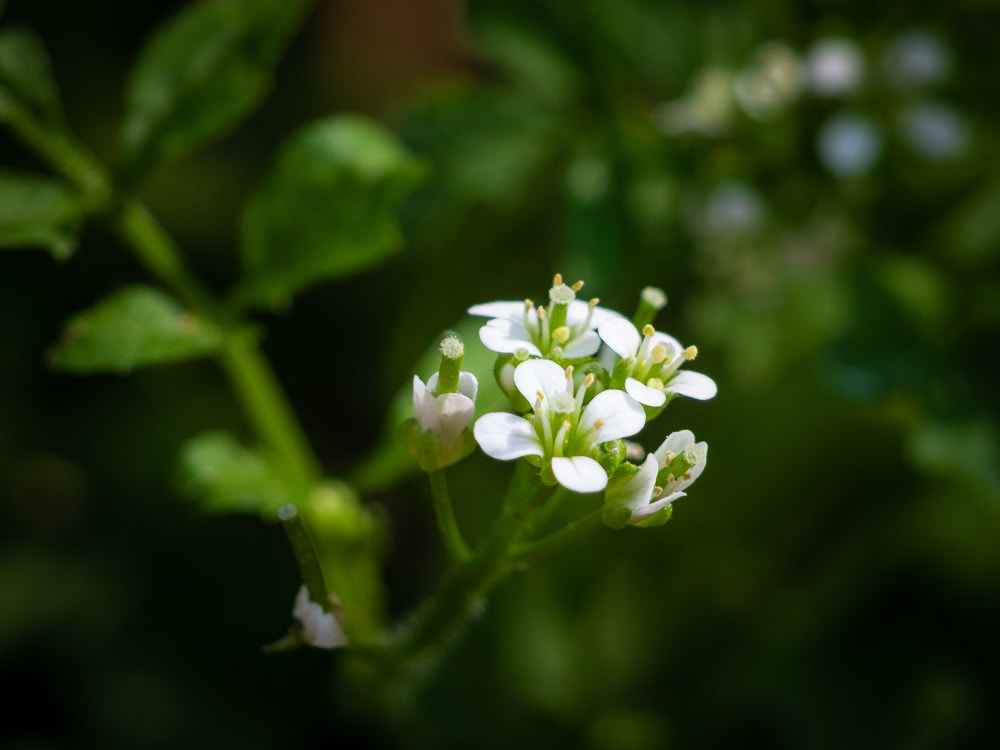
(589, 380)
(658, 354)
(577, 286)
(528, 304)
(557, 279)
(648, 330)
(594, 301)
(655, 383)
(561, 335)
(657, 491)
(690, 353)
(669, 457)
(670, 479)
(542, 313)
(569, 368)
(599, 423)
(541, 396)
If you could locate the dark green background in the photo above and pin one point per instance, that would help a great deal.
(832, 581)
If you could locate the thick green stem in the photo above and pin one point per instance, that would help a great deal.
(530, 551)
(451, 534)
(305, 554)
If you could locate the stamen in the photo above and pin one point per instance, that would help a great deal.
(582, 390)
(589, 380)
(530, 321)
(657, 491)
(648, 330)
(569, 372)
(557, 279)
(542, 313)
(690, 353)
(585, 325)
(561, 335)
(669, 457)
(557, 448)
(577, 286)
(599, 423)
(659, 354)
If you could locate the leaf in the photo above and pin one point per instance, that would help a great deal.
(200, 75)
(228, 477)
(38, 212)
(26, 80)
(328, 209)
(134, 327)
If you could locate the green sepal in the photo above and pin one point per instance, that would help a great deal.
(656, 519)
(503, 373)
(616, 516)
(621, 372)
(601, 379)
(609, 455)
(424, 446)
(652, 412)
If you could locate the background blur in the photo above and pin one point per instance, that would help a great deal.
(817, 188)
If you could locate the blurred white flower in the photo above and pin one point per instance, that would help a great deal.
(935, 131)
(707, 110)
(849, 145)
(770, 83)
(731, 209)
(916, 59)
(835, 66)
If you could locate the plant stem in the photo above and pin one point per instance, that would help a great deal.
(305, 554)
(451, 534)
(531, 551)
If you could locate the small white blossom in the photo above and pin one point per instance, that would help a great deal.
(561, 432)
(657, 358)
(635, 498)
(566, 323)
(836, 66)
(445, 415)
(319, 627)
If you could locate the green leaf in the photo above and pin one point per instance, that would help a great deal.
(201, 74)
(228, 477)
(38, 212)
(134, 327)
(26, 82)
(328, 209)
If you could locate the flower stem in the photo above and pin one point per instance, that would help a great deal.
(531, 551)
(305, 554)
(451, 534)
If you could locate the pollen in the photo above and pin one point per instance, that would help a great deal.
(561, 335)
(577, 286)
(659, 354)
(690, 353)
(588, 380)
(528, 304)
(648, 330)
(669, 457)
(594, 302)
(657, 491)
(599, 423)
(569, 369)
(541, 313)
(557, 279)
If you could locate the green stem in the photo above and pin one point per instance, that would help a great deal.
(531, 551)
(451, 534)
(305, 554)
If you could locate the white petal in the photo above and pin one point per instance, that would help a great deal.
(423, 404)
(622, 415)
(644, 394)
(621, 336)
(578, 310)
(509, 310)
(507, 336)
(579, 474)
(582, 346)
(319, 627)
(639, 513)
(506, 436)
(637, 490)
(454, 412)
(539, 375)
(468, 385)
(672, 344)
(693, 385)
(675, 443)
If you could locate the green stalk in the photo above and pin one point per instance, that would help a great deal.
(531, 551)
(451, 534)
(305, 554)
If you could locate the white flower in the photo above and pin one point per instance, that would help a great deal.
(636, 498)
(447, 414)
(567, 323)
(657, 358)
(561, 430)
(319, 627)
(836, 66)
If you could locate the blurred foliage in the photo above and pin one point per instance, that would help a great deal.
(830, 243)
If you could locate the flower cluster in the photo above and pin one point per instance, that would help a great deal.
(580, 378)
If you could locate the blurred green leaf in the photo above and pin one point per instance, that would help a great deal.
(134, 327)
(228, 477)
(201, 74)
(26, 80)
(38, 212)
(328, 209)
